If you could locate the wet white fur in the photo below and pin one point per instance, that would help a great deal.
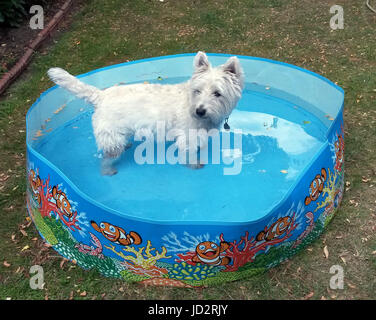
(120, 111)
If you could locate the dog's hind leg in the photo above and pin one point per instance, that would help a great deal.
(108, 163)
(112, 143)
(109, 159)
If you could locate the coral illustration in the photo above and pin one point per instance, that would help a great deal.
(327, 215)
(329, 190)
(52, 200)
(187, 243)
(142, 262)
(337, 147)
(245, 250)
(93, 250)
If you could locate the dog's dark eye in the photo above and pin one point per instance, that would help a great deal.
(196, 91)
(217, 94)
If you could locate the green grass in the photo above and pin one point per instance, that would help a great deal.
(294, 31)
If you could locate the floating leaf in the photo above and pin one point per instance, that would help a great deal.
(284, 171)
(38, 134)
(60, 109)
(306, 122)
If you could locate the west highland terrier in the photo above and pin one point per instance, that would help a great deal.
(203, 102)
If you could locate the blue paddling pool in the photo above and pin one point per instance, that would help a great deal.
(170, 225)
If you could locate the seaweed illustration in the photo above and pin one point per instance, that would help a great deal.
(185, 271)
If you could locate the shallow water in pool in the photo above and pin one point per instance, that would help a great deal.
(279, 139)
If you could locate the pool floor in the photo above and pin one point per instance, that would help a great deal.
(279, 140)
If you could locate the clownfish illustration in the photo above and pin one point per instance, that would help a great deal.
(35, 182)
(339, 147)
(209, 253)
(116, 234)
(275, 230)
(62, 202)
(316, 187)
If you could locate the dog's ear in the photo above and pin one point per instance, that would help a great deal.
(232, 65)
(201, 61)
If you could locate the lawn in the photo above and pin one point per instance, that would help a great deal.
(103, 33)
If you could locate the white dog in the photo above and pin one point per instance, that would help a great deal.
(203, 102)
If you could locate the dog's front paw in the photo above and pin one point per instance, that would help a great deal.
(195, 166)
(110, 171)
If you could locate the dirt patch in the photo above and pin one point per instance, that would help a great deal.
(14, 41)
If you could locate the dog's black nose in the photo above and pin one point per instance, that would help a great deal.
(200, 111)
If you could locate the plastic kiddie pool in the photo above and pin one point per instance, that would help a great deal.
(170, 225)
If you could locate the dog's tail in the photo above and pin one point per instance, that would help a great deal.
(72, 84)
